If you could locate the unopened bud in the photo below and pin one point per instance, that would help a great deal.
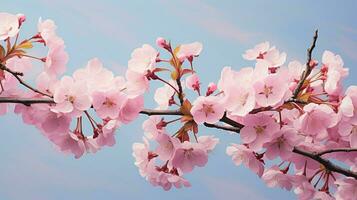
(313, 63)
(211, 88)
(22, 18)
(161, 42)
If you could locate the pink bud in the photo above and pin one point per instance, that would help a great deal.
(313, 63)
(211, 88)
(22, 18)
(161, 42)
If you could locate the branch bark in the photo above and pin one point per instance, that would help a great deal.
(308, 68)
(326, 163)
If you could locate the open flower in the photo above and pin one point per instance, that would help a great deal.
(188, 51)
(9, 25)
(188, 155)
(207, 109)
(71, 97)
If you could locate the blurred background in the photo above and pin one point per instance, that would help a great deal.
(31, 168)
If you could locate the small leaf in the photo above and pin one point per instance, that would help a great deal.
(186, 108)
(2, 51)
(25, 45)
(159, 69)
(186, 71)
(174, 75)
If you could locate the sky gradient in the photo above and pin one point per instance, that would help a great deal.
(32, 169)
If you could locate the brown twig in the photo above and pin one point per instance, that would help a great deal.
(226, 128)
(336, 150)
(22, 82)
(26, 102)
(326, 163)
(308, 68)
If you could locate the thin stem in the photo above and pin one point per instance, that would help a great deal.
(326, 163)
(162, 80)
(308, 68)
(22, 82)
(336, 150)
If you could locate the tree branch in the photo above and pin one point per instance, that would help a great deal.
(26, 102)
(326, 163)
(22, 82)
(336, 150)
(226, 128)
(308, 68)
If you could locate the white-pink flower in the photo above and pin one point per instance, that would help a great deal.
(283, 143)
(316, 120)
(167, 146)
(242, 102)
(71, 97)
(153, 126)
(107, 104)
(193, 82)
(335, 71)
(263, 51)
(207, 109)
(188, 51)
(143, 59)
(347, 189)
(242, 155)
(188, 155)
(9, 25)
(258, 129)
(271, 90)
(274, 177)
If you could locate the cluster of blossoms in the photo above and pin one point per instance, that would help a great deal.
(74, 98)
(296, 121)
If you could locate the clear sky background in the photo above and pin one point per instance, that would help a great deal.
(31, 168)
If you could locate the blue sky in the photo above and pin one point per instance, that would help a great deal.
(32, 169)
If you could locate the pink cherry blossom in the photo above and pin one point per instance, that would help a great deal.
(131, 108)
(335, 71)
(188, 51)
(347, 189)
(316, 120)
(271, 90)
(9, 25)
(242, 155)
(348, 132)
(166, 180)
(242, 102)
(257, 52)
(96, 77)
(142, 157)
(283, 143)
(106, 133)
(193, 82)
(137, 83)
(305, 191)
(167, 146)
(274, 177)
(164, 94)
(263, 51)
(258, 129)
(153, 126)
(207, 109)
(188, 155)
(71, 97)
(143, 59)
(208, 142)
(107, 104)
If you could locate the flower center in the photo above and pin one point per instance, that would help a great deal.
(71, 99)
(109, 102)
(188, 153)
(267, 91)
(207, 109)
(259, 129)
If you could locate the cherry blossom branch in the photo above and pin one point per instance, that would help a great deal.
(22, 82)
(336, 150)
(308, 68)
(226, 128)
(25, 101)
(326, 163)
